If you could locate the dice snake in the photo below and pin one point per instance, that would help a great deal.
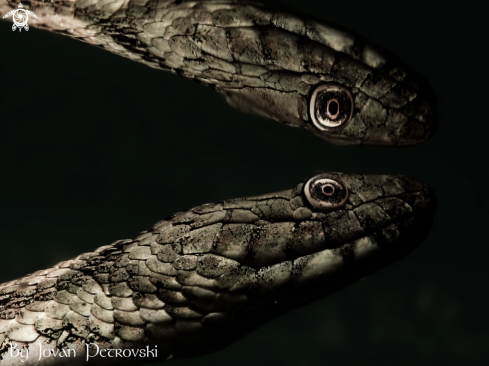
(205, 277)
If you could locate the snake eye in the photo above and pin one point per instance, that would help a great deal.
(330, 107)
(326, 192)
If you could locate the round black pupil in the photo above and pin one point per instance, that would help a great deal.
(333, 107)
(327, 189)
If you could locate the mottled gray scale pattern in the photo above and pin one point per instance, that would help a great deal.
(178, 279)
(201, 278)
(264, 60)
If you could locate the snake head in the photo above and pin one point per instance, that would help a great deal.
(238, 263)
(205, 277)
(317, 76)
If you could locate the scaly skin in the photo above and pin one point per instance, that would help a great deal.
(203, 278)
(264, 60)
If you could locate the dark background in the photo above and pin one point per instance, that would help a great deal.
(94, 148)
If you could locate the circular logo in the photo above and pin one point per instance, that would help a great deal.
(20, 17)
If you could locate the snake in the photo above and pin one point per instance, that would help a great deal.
(203, 278)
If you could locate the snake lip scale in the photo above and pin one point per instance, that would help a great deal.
(201, 279)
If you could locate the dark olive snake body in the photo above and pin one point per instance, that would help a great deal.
(203, 278)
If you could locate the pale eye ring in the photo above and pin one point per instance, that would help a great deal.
(326, 192)
(330, 107)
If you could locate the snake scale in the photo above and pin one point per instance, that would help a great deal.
(203, 278)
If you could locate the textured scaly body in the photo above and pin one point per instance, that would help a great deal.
(203, 278)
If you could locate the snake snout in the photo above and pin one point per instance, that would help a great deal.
(391, 208)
